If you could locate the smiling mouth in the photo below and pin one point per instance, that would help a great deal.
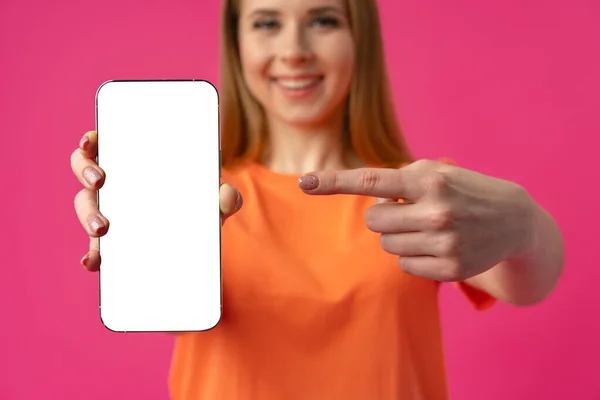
(298, 83)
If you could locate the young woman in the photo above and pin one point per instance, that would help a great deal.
(315, 303)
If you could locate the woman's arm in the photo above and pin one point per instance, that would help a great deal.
(457, 226)
(530, 277)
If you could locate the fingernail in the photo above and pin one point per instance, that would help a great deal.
(308, 182)
(83, 143)
(85, 260)
(95, 223)
(91, 175)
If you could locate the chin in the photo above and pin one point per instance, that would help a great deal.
(315, 115)
(304, 121)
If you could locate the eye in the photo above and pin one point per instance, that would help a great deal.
(326, 22)
(266, 24)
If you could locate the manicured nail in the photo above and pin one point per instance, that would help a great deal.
(308, 182)
(91, 175)
(95, 223)
(84, 142)
(85, 260)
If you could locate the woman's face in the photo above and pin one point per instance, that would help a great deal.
(297, 57)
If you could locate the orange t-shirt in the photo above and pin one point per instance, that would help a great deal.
(313, 308)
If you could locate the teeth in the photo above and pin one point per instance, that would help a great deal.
(296, 84)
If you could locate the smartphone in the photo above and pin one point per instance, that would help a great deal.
(159, 144)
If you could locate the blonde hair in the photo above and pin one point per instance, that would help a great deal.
(373, 132)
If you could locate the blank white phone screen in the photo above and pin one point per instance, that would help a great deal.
(158, 142)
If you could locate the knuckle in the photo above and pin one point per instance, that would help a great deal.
(369, 180)
(435, 181)
(441, 219)
(423, 163)
(334, 182)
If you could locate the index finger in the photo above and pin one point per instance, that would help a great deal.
(376, 182)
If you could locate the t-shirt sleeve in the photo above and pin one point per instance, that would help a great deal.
(478, 298)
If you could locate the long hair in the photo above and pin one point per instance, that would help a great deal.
(372, 130)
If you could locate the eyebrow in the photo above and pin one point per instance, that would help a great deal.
(312, 11)
(326, 9)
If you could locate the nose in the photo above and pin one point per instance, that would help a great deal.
(295, 46)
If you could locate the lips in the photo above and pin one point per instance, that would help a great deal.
(298, 83)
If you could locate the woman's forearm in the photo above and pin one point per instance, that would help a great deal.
(530, 277)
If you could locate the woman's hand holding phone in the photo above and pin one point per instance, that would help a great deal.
(92, 177)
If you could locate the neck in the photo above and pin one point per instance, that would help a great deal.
(301, 149)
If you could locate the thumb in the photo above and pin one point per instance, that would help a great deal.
(230, 201)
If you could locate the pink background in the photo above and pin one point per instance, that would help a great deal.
(508, 88)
